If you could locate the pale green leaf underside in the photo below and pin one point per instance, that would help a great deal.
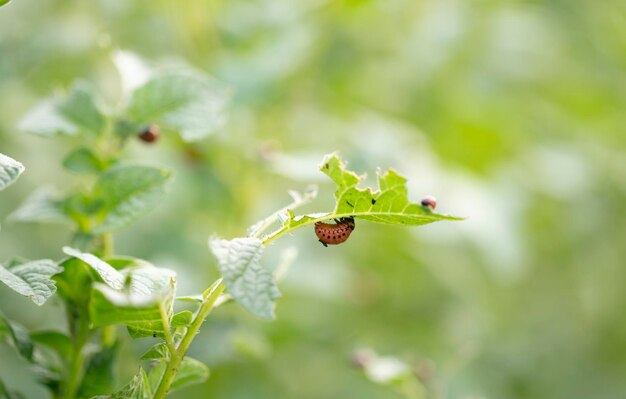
(249, 283)
(127, 192)
(135, 296)
(32, 279)
(10, 170)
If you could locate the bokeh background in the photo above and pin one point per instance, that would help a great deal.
(511, 113)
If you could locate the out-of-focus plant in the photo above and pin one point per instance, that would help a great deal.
(101, 289)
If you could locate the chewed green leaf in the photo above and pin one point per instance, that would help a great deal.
(249, 283)
(127, 192)
(184, 100)
(388, 204)
(32, 279)
(10, 170)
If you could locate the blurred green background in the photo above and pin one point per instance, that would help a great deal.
(511, 113)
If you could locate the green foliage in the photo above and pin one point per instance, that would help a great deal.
(10, 170)
(125, 193)
(74, 114)
(247, 281)
(183, 100)
(254, 287)
(138, 388)
(84, 160)
(31, 279)
(3, 2)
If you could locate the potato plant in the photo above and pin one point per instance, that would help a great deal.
(101, 289)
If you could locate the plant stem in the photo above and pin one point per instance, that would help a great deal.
(79, 328)
(177, 356)
(107, 245)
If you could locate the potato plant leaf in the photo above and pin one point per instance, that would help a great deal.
(249, 283)
(388, 204)
(32, 279)
(17, 337)
(70, 115)
(184, 100)
(10, 170)
(127, 192)
(191, 372)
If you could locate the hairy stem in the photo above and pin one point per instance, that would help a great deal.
(79, 329)
(178, 355)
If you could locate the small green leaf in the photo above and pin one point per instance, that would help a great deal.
(246, 280)
(10, 170)
(43, 205)
(126, 193)
(45, 120)
(191, 371)
(17, 336)
(138, 388)
(79, 107)
(184, 100)
(158, 351)
(84, 160)
(55, 340)
(32, 279)
(3, 2)
(182, 319)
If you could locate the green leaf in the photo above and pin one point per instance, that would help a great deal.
(74, 283)
(70, 115)
(191, 371)
(84, 160)
(99, 375)
(3, 2)
(79, 107)
(138, 388)
(43, 205)
(184, 100)
(126, 193)
(10, 170)
(139, 306)
(4, 391)
(112, 277)
(388, 204)
(158, 351)
(55, 340)
(45, 120)
(246, 280)
(182, 319)
(32, 279)
(17, 336)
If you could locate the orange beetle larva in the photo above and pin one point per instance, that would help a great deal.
(334, 234)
